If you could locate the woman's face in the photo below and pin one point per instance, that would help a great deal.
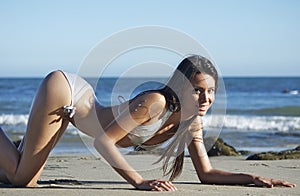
(199, 96)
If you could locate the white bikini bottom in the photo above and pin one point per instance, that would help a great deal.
(78, 86)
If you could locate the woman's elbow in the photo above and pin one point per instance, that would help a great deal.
(206, 181)
(206, 178)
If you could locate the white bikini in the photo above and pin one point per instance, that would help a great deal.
(137, 136)
(142, 133)
(78, 86)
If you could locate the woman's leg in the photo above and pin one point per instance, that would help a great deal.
(9, 156)
(45, 126)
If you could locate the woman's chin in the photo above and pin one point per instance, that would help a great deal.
(202, 113)
(187, 116)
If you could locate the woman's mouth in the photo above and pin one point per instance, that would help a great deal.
(203, 108)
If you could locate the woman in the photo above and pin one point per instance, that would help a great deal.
(150, 118)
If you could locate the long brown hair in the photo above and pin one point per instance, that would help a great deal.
(186, 70)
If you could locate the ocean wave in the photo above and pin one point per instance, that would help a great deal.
(16, 124)
(231, 122)
(275, 111)
(262, 123)
(13, 119)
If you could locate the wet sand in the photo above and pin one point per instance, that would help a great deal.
(72, 174)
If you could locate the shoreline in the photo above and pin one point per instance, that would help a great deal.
(77, 146)
(78, 174)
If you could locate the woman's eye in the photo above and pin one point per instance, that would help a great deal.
(198, 91)
(211, 91)
(201, 91)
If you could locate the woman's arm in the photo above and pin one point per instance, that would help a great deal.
(105, 143)
(208, 175)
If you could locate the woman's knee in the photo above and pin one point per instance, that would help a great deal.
(20, 181)
(9, 156)
(22, 178)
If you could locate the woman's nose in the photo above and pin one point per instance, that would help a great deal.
(204, 97)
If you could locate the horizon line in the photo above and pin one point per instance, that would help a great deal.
(116, 76)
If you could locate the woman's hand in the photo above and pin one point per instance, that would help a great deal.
(266, 182)
(156, 185)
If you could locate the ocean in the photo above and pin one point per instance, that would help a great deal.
(262, 113)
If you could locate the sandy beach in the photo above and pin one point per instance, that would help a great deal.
(73, 174)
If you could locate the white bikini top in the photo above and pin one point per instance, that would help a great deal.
(142, 133)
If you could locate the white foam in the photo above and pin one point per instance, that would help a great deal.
(261, 123)
(236, 122)
(18, 122)
(294, 92)
(12, 119)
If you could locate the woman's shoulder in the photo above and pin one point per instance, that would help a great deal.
(151, 97)
(152, 101)
(155, 96)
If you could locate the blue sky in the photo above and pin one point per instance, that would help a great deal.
(245, 38)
